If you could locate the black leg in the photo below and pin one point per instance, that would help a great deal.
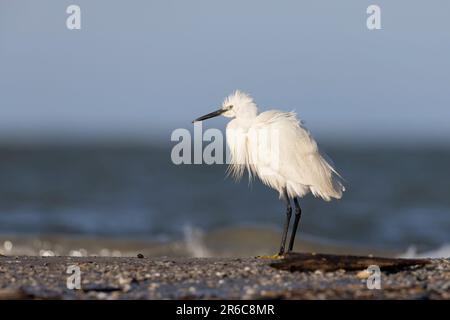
(298, 214)
(286, 225)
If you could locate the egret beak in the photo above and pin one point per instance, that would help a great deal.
(210, 115)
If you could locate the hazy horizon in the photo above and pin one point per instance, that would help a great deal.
(136, 71)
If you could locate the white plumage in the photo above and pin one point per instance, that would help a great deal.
(277, 148)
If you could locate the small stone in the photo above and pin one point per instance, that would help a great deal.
(102, 295)
(153, 286)
(364, 274)
(192, 289)
(140, 256)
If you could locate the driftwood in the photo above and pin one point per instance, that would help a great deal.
(330, 262)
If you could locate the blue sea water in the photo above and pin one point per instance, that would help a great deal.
(396, 197)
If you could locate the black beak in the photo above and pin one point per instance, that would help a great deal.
(210, 115)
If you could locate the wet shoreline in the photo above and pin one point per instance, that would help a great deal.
(25, 277)
(237, 242)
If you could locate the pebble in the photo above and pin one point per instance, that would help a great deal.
(214, 278)
(364, 274)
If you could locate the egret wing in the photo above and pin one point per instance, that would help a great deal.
(291, 157)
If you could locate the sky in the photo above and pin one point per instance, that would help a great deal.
(140, 69)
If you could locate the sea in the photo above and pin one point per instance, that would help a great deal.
(122, 200)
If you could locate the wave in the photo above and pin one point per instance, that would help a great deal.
(244, 241)
(441, 252)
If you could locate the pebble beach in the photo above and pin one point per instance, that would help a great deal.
(25, 277)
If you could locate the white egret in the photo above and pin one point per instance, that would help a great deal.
(275, 146)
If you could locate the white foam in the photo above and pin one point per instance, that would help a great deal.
(194, 242)
(441, 252)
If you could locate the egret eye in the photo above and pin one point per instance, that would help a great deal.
(230, 107)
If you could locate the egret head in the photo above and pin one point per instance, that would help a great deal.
(236, 105)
